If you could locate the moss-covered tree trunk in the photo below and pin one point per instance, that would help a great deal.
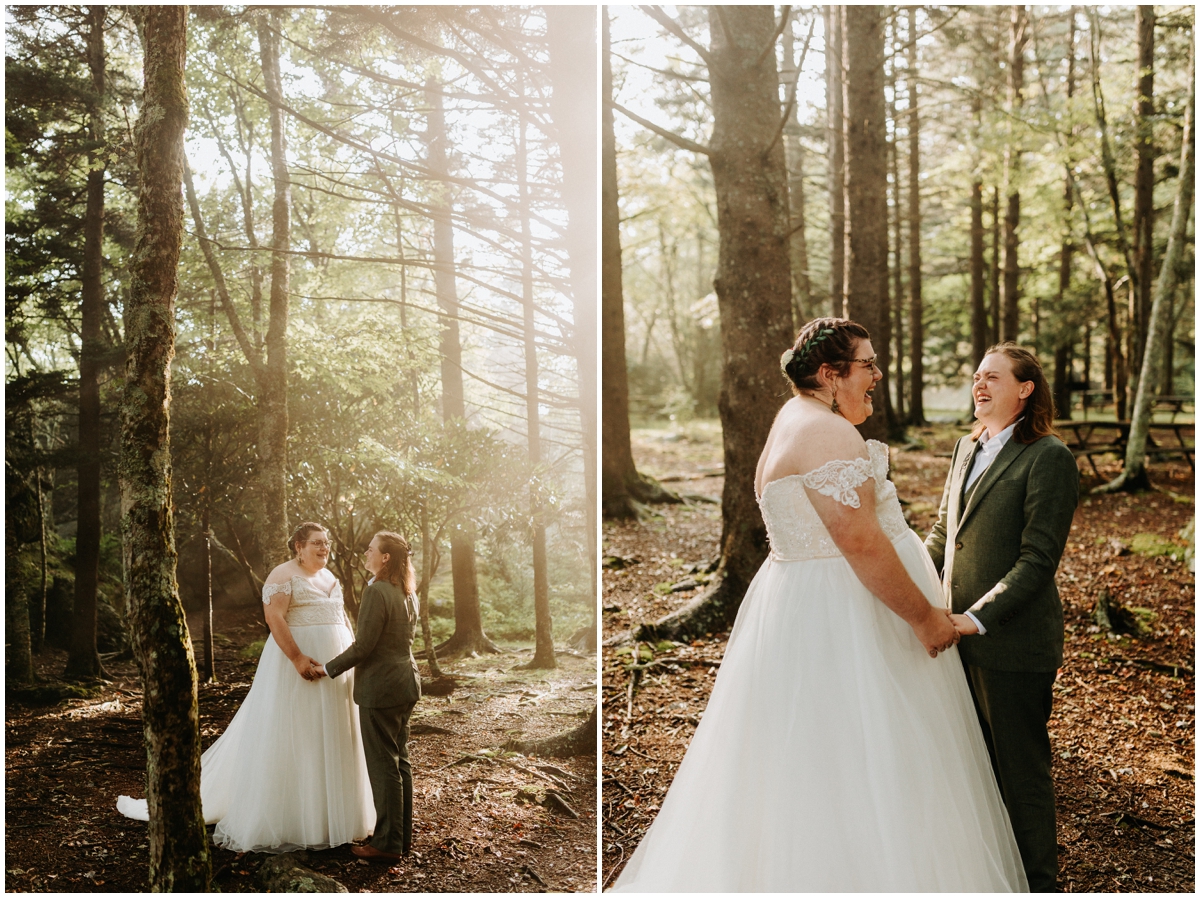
(83, 660)
(273, 401)
(1133, 476)
(179, 857)
(753, 286)
(1143, 183)
(866, 204)
(622, 488)
(468, 636)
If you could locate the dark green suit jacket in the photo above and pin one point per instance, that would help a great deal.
(382, 651)
(998, 554)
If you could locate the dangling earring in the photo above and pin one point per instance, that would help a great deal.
(834, 406)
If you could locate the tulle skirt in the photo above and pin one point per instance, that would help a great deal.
(834, 755)
(289, 771)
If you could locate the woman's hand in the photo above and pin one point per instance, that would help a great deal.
(307, 667)
(936, 632)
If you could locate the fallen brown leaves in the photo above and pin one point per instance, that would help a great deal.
(476, 829)
(1123, 727)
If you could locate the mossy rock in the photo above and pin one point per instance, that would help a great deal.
(288, 873)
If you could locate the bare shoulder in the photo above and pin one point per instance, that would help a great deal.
(284, 572)
(804, 438)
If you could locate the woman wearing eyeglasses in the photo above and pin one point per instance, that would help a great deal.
(289, 771)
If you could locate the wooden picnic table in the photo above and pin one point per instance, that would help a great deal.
(1090, 438)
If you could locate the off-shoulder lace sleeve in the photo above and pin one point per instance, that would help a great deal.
(840, 478)
(269, 589)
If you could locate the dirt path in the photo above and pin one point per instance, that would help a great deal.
(478, 827)
(1124, 720)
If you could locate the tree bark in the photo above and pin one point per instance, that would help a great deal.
(578, 742)
(1143, 184)
(834, 71)
(866, 198)
(543, 655)
(622, 487)
(1010, 302)
(994, 273)
(179, 857)
(897, 268)
(273, 401)
(84, 660)
(794, 156)
(916, 309)
(468, 637)
(1064, 339)
(753, 286)
(572, 34)
(1133, 477)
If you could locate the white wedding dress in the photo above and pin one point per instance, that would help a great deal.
(835, 755)
(289, 770)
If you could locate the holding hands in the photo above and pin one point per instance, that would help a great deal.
(308, 667)
(936, 632)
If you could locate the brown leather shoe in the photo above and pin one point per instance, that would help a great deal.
(366, 852)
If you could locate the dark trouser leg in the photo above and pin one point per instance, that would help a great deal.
(1013, 709)
(385, 744)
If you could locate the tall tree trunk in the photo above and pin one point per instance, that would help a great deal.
(916, 308)
(179, 857)
(834, 99)
(273, 400)
(84, 660)
(543, 656)
(1063, 338)
(468, 637)
(1143, 183)
(994, 273)
(18, 656)
(37, 607)
(572, 33)
(1010, 321)
(753, 286)
(866, 197)
(794, 155)
(622, 487)
(897, 267)
(1133, 477)
(427, 551)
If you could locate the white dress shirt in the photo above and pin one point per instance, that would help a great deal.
(988, 450)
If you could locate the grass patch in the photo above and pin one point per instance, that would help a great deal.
(1152, 545)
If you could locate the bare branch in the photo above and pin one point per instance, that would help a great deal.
(657, 14)
(681, 142)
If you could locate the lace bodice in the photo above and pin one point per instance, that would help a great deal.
(309, 605)
(793, 527)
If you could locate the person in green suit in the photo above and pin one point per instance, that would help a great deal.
(1005, 514)
(386, 687)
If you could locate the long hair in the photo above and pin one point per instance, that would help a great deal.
(823, 341)
(1037, 417)
(399, 567)
(300, 535)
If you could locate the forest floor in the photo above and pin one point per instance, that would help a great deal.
(1123, 725)
(477, 826)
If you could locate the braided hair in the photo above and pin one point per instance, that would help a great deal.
(823, 341)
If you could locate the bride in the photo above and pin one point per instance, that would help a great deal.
(840, 750)
(289, 770)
